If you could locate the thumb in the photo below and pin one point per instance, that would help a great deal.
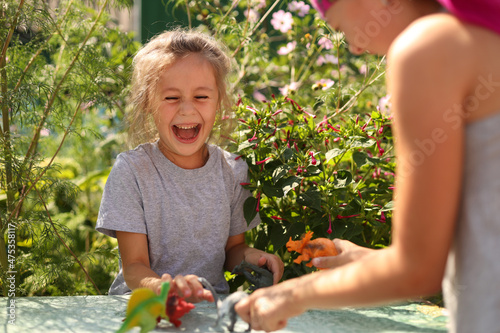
(326, 262)
(242, 308)
(262, 261)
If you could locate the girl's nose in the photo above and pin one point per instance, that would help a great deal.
(187, 108)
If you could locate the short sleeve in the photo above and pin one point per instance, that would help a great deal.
(238, 222)
(122, 206)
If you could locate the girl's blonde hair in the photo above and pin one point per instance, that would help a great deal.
(150, 62)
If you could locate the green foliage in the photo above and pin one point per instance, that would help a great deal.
(64, 74)
(334, 178)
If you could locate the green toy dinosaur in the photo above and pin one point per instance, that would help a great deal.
(144, 308)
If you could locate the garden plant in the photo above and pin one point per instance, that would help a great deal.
(312, 122)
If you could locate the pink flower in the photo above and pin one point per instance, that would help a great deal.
(289, 88)
(325, 83)
(254, 137)
(347, 216)
(260, 4)
(384, 105)
(252, 15)
(313, 159)
(382, 218)
(252, 109)
(299, 7)
(284, 50)
(282, 21)
(263, 161)
(327, 59)
(325, 43)
(259, 96)
(363, 69)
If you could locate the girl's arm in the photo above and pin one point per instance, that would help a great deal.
(426, 79)
(138, 273)
(135, 261)
(237, 250)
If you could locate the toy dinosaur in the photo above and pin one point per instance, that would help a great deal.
(319, 247)
(145, 309)
(176, 308)
(225, 307)
(259, 277)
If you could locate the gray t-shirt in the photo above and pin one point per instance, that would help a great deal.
(187, 215)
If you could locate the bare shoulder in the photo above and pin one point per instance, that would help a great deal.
(432, 39)
(442, 55)
(434, 55)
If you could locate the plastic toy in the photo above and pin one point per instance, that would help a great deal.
(308, 249)
(146, 309)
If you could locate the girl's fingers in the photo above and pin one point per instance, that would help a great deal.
(347, 252)
(191, 289)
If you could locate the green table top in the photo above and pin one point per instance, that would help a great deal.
(105, 314)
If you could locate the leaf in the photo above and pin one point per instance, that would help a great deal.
(311, 198)
(339, 228)
(333, 153)
(343, 178)
(313, 170)
(388, 206)
(352, 231)
(280, 172)
(360, 158)
(375, 115)
(288, 154)
(279, 236)
(352, 208)
(361, 142)
(245, 144)
(290, 183)
(250, 209)
(295, 230)
(272, 190)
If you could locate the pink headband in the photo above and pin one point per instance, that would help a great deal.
(321, 6)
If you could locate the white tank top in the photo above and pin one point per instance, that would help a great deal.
(471, 285)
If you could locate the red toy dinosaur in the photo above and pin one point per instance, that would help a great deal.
(319, 247)
(176, 308)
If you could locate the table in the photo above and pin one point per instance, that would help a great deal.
(105, 314)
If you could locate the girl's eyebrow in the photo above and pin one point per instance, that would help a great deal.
(174, 89)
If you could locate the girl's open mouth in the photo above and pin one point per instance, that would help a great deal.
(186, 132)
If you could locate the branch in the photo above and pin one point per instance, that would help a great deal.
(39, 51)
(64, 243)
(23, 196)
(34, 142)
(5, 46)
(353, 99)
(263, 18)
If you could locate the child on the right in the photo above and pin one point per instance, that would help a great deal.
(443, 76)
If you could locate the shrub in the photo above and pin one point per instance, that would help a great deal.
(63, 79)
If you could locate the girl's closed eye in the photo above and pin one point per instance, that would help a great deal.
(201, 97)
(171, 98)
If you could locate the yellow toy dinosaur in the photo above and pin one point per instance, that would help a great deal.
(144, 308)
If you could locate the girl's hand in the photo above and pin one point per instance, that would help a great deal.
(191, 289)
(271, 261)
(185, 286)
(269, 308)
(348, 252)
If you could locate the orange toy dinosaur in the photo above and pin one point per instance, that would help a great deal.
(319, 247)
